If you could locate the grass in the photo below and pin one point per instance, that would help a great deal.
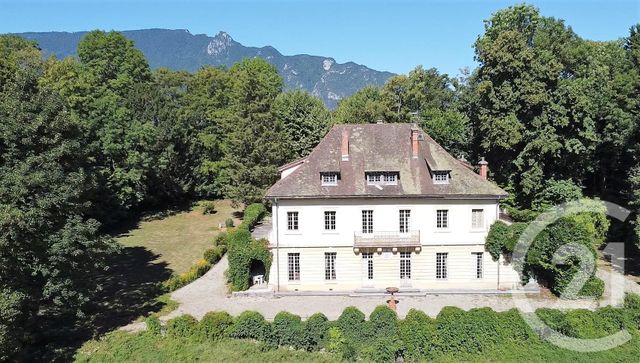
(180, 239)
(144, 347)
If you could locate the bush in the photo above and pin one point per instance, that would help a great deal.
(221, 239)
(338, 344)
(252, 215)
(287, 330)
(153, 325)
(467, 332)
(383, 322)
(315, 331)
(214, 254)
(215, 325)
(353, 325)
(177, 281)
(228, 223)
(243, 250)
(182, 326)
(250, 325)
(418, 332)
(208, 207)
(594, 287)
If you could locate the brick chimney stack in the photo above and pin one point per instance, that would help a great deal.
(484, 168)
(345, 145)
(415, 131)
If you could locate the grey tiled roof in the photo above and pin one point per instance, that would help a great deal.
(382, 147)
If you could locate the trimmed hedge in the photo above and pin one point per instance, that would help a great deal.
(215, 325)
(383, 338)
(177, 281)
(252, 214)
(243, 251)
(182, 326)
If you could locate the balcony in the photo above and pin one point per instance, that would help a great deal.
(387, 239)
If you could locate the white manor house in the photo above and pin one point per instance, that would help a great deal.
(383, 205)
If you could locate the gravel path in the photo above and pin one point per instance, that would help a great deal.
(209, 294)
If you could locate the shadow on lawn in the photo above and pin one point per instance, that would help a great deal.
(129, 290)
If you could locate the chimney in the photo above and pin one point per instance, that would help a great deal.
(345, 145)
(415, 131)
(484, 168)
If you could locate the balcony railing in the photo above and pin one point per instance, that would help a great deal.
(386, 239)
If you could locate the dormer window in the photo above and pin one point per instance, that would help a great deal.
(329, 179)
(382, 178)
(440, 177)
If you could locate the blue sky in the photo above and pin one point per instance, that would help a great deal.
(394, 36)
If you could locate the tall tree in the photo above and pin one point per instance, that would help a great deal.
(255, 145)
(305, 120)
(49, 249)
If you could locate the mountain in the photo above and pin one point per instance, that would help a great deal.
(181, 50)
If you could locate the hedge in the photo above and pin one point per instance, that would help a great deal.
(587, 229)
(215, 325)
(383, 337)
(243, 251)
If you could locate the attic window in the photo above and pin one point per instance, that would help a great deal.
(329, 179)
(440, 177)
(382, 178)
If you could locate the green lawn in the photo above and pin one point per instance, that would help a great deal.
(142, 347)
(179, 240)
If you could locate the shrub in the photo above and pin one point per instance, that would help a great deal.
(556, 320)
(182, 326)
(215, 325)
(383, 322)
(338, 344)
(228, 223)
(250, 325)
(177, 281)
(208, 207)
(494, 243)
(287, 330)
(467, 332)
(315, 331)
(353, 325)
(382, 349)
(418, 332)
(214, 254)
(153, 325)
(253, 213)
(594, 287)
(221, 239)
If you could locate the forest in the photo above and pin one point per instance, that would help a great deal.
(88, 142)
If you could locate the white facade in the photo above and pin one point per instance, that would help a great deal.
(303, 249)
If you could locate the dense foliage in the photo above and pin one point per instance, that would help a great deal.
(384, 337)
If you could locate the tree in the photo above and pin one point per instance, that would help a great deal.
(256, 143)
(49, 250)
(364, 106)
(304, 118)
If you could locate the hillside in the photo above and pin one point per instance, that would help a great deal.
(180, 50)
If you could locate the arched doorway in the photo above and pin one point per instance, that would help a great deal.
(257, 271)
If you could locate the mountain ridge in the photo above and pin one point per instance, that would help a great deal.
(179, 49)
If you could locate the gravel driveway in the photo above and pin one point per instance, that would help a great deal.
(209, 294)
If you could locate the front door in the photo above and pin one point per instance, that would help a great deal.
(367, 269)
(405, 269)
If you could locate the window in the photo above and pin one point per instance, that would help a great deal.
(294, 266)
(405, 214)
(477, 218)
(329, 179)
(478, 260)
(382, 178)
(367, 221)
(441, 177)
(368, 258)
(292, 221)
(330, 265)
(330, 221)
(405, 265)
(441, 265)
(442, 218)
